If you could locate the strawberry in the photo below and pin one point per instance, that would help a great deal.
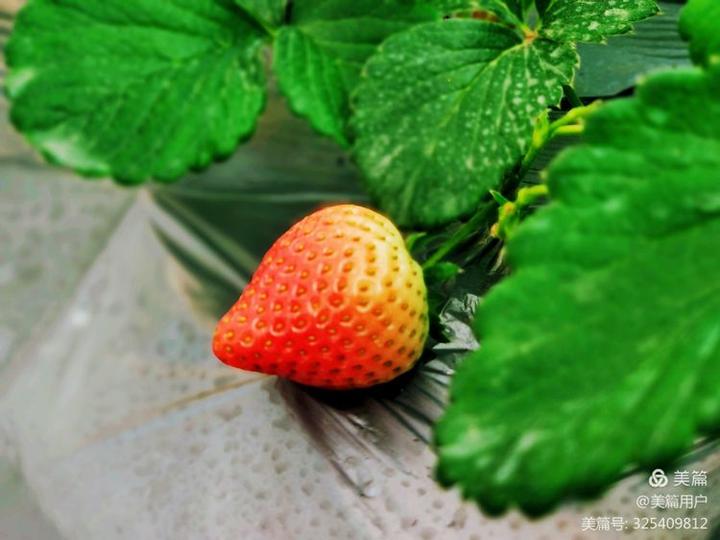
(337, 302)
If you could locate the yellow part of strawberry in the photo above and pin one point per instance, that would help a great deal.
(337, 302)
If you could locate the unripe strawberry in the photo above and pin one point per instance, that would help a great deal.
(337, 302)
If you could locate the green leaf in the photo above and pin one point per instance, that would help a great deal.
(601, 352)
(519, 7)
(134, 89)
(318, 57)
(270, 13)
(506, 11)
(699, 24)
(591, 20)
(607, 69)
(445, 108)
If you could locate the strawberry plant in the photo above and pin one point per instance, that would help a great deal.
(599, 351)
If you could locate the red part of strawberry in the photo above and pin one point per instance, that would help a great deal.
(337, 302)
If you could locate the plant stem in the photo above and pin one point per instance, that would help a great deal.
(570, 124)
(574, 116)
(512, 213)
(529, 159)
(471, 226)
(575, 129)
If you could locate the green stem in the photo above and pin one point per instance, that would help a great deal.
(529, 159)
(575, 129)
(574, 116)
(511, 214)
(480, 218)
(530, 195)
(570, 124)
